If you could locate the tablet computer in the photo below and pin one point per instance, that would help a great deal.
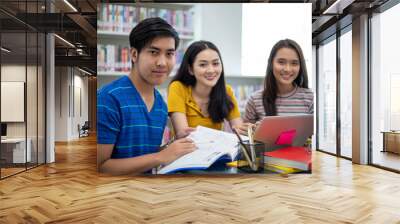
(279, 131)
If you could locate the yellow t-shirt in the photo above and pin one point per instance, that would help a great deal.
(180, 99)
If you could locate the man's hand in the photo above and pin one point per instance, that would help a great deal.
(185, 132)
(177, 149)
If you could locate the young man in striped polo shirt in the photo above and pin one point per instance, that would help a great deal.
(131, 114)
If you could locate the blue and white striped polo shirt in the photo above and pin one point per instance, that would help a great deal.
(123, 120)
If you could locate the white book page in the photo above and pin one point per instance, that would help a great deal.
(211, 139)
(196, 159)
(211, 145)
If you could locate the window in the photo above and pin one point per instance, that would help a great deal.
(346, 94)
(327, 96)
(385, 85)
(22, 65)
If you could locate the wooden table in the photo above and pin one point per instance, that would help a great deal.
(391, 141)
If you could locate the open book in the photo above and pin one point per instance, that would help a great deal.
(212, 144)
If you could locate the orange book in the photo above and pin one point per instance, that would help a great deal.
(295, 157)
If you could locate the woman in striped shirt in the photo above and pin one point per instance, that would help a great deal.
(286, 89)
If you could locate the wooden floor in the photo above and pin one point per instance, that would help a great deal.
(5, 172)
(71, 191)
(8, 171)
(387, 159)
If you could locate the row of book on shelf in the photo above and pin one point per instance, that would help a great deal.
(116, 58)
(112, 58)
(122, 18)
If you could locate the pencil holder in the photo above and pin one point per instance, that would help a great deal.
(253, 162)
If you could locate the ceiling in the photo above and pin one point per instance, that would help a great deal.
(76, 24)
(332, 15)
(79, 26)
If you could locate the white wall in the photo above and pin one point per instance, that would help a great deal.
(33, 126)
(264, 24)
(245, 33)
(12, 101)
(79, 117)
(61, 103)
(12, 73)
(67, 117)
(221, 23)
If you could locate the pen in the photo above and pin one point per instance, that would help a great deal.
(244, 149)
(251, 141)
(168, 143)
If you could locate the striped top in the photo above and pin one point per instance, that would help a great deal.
(123, 119)
(299, 101)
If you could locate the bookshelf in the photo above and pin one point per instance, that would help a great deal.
(116, 20)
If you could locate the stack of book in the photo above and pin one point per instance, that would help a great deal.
(288, 160)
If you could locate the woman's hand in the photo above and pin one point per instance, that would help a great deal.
(242, 128)
(256, 124)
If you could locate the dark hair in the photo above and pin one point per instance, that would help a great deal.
(220, 104)
(270, 87)
(148, 29)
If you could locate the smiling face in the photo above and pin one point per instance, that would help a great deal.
(286, 66)
(207, 68)
(155, 61)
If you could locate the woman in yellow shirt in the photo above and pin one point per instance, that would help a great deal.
(198, 95)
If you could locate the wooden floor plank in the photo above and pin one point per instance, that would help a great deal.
(71, 191)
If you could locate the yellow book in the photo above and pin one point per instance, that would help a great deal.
(281, 169)
(238, 163)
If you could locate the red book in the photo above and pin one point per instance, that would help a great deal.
(295, 157)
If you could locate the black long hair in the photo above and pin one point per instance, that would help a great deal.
(220, 104)
(270, 86)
